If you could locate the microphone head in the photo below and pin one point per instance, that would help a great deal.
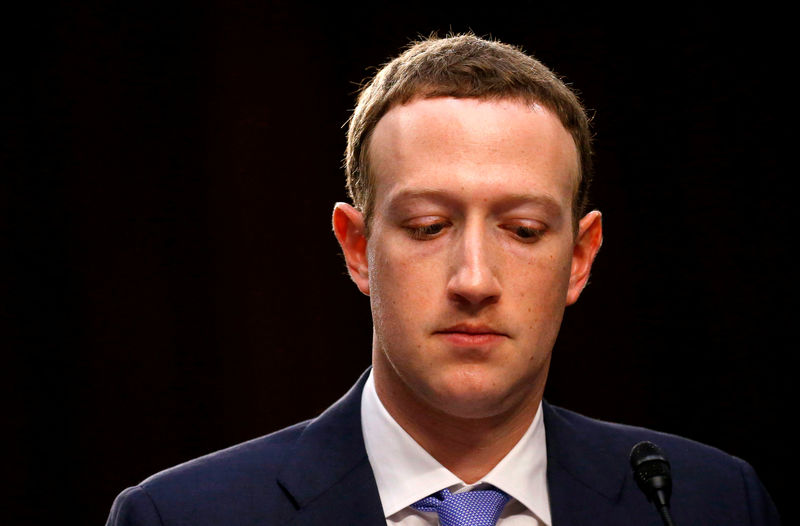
(651, 471)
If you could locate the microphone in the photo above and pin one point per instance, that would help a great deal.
(651, 471)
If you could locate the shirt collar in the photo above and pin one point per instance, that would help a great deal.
(406, 473)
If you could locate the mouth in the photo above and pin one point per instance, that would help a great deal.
(471, 335)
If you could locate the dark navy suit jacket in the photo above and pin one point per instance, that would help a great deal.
(317, 473)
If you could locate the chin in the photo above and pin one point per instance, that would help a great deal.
(472, 397)
(472, 407)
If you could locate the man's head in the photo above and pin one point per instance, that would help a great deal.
(463, 66)
(473, 251)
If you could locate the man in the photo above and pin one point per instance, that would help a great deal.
(468, 163)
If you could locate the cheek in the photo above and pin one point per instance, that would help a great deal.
(402, 287)
(539, 284)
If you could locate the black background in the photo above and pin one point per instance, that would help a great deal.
(172, 285)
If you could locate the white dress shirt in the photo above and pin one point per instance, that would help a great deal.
(406, 473)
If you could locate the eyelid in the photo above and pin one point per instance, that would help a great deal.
(530, 223)
(536, 228)
(430, 227)
(424, 219)
(419, 228)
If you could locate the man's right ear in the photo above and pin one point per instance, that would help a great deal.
(349, 227)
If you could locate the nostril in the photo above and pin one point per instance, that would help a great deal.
(480, 291)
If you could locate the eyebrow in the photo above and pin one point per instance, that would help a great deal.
(508, 201)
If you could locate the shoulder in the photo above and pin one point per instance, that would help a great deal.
(241, 478)
(256, 482)
(620, 438)
(706, 480)
(262, 455)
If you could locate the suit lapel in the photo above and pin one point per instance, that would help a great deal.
(585, 479)
(329, 479)
(328, 476)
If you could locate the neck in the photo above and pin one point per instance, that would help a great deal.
(468, 447)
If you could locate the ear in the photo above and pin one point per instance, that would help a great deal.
(587, 244)
(348, 225)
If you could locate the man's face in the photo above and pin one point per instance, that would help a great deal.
(469, 262)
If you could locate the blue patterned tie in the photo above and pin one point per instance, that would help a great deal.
(470, 508)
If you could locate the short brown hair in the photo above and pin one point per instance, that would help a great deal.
(461, 66)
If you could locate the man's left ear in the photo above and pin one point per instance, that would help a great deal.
(587, 244)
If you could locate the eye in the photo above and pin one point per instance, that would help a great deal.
(525, 233)
(425, 232)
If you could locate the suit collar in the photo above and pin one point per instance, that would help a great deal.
(586, 470)
(329, 478)
(328, 475)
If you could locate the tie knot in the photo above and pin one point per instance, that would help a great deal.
(470, 508)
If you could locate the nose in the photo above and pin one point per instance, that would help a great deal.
(473, 279)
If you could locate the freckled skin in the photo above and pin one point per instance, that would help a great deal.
(487, 151)
(472, 225)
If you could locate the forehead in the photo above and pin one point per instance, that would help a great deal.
(470, 146)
